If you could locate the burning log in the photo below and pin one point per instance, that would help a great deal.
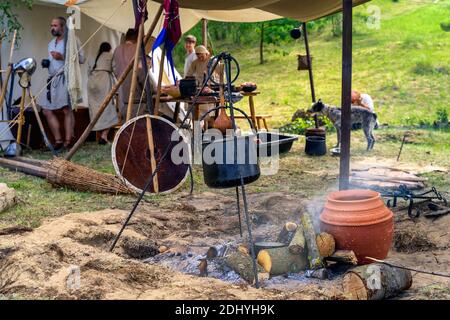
(298, 243)
(242, 264)
(344, 257)
(376, 282)
(287, 233)
(326, 244)
(314, 257)
(279, 261)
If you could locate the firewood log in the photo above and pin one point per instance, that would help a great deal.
(298, 243)
(344, 257)
(242, 264)
(287, 233)
(279, 261)
(375, 282)
(314, 258)
(326, 244)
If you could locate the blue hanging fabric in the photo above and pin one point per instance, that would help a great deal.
(170, 33)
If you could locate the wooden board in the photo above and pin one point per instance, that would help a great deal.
(132, 160)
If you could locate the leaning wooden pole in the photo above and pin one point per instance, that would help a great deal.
(310, 72)
(134, 79)
(161, 72)
(205, 32)
(344, 167)
(112, 93)
(9, 70)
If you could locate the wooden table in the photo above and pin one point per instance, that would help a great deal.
(196, 114)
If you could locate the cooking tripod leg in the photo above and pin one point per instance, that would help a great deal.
(239, 210)
(250, 237)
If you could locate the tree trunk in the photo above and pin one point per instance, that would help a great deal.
(326, 244)
(287, 233)
(242, 264)
(314, 258)
(344, 257)
(279, 261)
(298, 243)
(375, 282)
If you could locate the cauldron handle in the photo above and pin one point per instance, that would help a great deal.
(252, 127)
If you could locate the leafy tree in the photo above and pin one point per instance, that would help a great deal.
(9, 18)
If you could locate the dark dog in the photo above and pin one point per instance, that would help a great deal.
(364, 116)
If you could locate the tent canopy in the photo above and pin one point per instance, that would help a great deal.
(192, 11)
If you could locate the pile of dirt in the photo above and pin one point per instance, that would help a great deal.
(412, 241)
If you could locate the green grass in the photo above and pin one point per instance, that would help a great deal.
(39, 200)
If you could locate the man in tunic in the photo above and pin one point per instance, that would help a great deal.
(189, 45)
(57, 97)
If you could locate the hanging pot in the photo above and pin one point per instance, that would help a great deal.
(359, 221)
(223, 167)
(315, 146)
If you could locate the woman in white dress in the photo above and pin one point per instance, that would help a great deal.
(100, 82)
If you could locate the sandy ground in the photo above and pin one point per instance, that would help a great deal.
(68, 257)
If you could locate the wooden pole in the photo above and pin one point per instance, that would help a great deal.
(161, 72)
(311, 80)
(344, 168)
(205, 32)
(151, 145)
(112, 93)
(21, 120)
(34, 170)
(134, 78)
(8, 71)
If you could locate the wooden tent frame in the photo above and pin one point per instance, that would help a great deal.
(344, 166)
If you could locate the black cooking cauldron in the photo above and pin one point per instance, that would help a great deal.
(315, 146)
(223, 167)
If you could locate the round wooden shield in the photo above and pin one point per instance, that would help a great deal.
(138, 147)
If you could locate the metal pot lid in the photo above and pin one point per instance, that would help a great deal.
(132, 160)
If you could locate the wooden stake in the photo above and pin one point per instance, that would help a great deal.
(8, 71)
(21, 119)
(161, 72)
(112, 93)
(134, 78)
(152, 153)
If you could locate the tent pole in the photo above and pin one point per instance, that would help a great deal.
(158, 88)
(148, 87)
(205, 32)
(344, 168)
(134, 77)
(311, 80)
(112, 93)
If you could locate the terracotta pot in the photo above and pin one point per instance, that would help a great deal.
(359, 221)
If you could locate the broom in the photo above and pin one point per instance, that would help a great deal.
(63, 173)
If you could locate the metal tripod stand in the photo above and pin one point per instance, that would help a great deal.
(227, 59)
